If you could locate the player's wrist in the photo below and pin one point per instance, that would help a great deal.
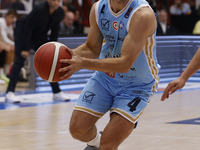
(84, 62)
(184, 77)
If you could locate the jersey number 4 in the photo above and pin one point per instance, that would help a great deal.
(133, 104)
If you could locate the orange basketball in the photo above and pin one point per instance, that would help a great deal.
(47, 60)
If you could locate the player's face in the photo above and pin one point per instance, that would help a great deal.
(54, 4)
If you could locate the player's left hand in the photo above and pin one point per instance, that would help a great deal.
(75, 64)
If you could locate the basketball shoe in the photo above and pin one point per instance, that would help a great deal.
(6, 79)
(60, 97)
(91, 148)
(2, 82)
(11, 98)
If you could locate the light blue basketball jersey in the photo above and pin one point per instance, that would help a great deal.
(114, 27)
(129, 93)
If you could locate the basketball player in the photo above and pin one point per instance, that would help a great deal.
(126, 72)
(179, 83)
(30, 33)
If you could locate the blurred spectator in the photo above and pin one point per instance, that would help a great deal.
(69, 5)
(179, 8)
(65, 8)
(194, 15)
(193, 7)
(196, 29)
(3, 48)
(163, 28)
(78, 26)
(66, 26)
(7, 34)
(31, 32)
(65, 2)
(180, 16)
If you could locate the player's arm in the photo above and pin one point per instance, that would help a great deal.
(179, 83)
(143, 24)
(92, 47)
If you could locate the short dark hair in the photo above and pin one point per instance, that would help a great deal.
(12, 12)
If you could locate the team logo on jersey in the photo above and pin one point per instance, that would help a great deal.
(126, 77)
(110, 39)
(105, 24)
(133, 69)
(102, 9)
(121, 25)
(139, 92)
(128, 12)
(88, 96)
(110, 74)
(121, 38)
(115, 25)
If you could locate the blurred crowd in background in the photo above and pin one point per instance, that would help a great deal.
(179, 18)
(175, 17)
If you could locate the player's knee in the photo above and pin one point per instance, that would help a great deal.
(77, 130)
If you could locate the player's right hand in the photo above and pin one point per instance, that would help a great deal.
(75, 64)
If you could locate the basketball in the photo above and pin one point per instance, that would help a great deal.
(47, 60)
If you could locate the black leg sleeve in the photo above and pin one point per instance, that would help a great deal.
(15, 72)
(55, 87)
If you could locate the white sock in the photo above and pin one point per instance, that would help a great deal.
(96, 141)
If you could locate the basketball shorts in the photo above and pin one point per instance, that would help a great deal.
(100, 96)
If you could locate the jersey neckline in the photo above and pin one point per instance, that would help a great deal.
(121, 11)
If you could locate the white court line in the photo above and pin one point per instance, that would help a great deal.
(169, 137)
(36, 131)
(67, 132)
(38, 98)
